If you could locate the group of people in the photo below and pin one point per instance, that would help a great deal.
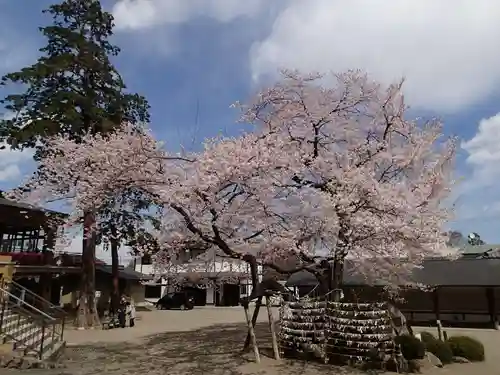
(125, 313)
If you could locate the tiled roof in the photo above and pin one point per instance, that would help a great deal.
(25, 206)
(123, 272)
(478, 249)
(435, 272)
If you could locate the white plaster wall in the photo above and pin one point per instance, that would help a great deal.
(218, 265)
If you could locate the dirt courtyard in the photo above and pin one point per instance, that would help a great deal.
(205, 341)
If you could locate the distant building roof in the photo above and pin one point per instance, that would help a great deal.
(435, 272)
(479, 249)
(26, 206)
(123, 272)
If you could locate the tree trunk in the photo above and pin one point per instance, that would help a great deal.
(87, 312)
(115, 262)
(337, 278)
(46, 280)
(255, 281)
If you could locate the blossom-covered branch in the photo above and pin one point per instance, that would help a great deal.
(329, 173)
(383, 176)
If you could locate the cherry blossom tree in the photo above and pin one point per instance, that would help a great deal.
(92, 176)
(383, 176)
(330, 172)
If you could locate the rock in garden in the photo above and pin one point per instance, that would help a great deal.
(428, 362)
(435, 361)
(460, 360)
(414, 365)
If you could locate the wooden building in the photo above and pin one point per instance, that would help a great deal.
(27, 239)
(463, 292)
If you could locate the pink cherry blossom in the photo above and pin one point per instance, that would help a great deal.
(328, 172)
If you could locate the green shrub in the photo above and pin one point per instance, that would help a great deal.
(467, 347)
(440, 349)
(411, 347)
(427, 337)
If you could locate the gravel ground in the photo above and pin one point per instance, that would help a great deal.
(204, 342)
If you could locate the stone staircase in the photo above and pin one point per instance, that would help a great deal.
(31, 334)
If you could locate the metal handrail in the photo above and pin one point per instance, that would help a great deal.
(35, 296)
(46, 316)
(19, 342)
(45, 323)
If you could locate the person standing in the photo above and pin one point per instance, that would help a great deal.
(121, 312)
(131, 317)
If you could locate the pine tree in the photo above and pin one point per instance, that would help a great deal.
(72, 88)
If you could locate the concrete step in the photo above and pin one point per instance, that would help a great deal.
(12, 323)
(31, 347)
(19, 330)
(23, 339)
(25, 336)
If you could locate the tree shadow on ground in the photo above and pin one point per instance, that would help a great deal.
(214, 350)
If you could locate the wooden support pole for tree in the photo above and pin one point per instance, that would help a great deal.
(251, 260)
(251, 333)
(255, 315)
(440, 330)
(272, 328)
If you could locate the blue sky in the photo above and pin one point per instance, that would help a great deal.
(182, 54)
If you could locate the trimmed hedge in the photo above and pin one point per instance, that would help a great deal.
(427, 337)
(411, 347)
(467, 347)
(439, 348)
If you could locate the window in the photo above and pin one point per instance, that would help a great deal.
(146, 259)
(243, 289)
(152, 291)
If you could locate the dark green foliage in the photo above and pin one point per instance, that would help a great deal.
(411, 347)
(124, 215)
(73, 87)
(475, 239)
(467, 347)
(437, 347)
(442, 350)
(427, 337)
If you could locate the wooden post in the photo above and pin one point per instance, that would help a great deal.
(440, 330)
(254, 272)
(435, 295)
(492, 308)
(251, 333)
(45, 281)
(272, 328)
(255, 315)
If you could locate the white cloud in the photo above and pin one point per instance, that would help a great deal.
(478, 203)
(10, 162)
(484, 153)
(143, 14)
(445, 49)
